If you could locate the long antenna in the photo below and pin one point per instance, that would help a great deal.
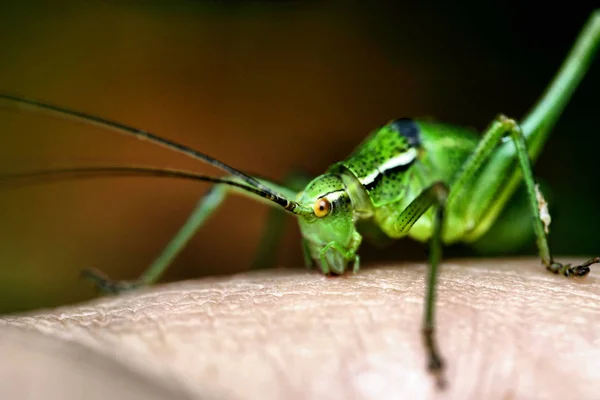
(137, 133)
(87, 172)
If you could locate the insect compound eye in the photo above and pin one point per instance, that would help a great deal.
(322, 207)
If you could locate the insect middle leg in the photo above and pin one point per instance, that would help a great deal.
(397, 224)
(204, 209)
(480, 196)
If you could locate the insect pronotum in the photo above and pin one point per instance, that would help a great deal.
(403, 180)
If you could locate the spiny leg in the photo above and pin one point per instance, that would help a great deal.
(463, 194)
(539, 228)
(204, 209)
(434, 195)
(496, 181)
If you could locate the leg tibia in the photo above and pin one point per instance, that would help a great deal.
(475, 201)
(206, 206)
(204, 209)
(435, 195)
(538, 219)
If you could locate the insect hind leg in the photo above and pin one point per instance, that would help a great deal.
(481, 193)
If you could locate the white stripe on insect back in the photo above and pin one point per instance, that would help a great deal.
(402, 159)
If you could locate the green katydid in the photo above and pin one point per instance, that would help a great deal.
(425, 180)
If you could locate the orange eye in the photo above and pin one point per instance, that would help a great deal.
(322, 207)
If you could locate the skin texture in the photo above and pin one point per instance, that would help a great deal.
(508, 329)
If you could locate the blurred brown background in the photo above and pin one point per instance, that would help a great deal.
(266, 87)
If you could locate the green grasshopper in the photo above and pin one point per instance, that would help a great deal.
(426, 180)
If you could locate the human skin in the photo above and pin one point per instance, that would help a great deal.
(507, 329)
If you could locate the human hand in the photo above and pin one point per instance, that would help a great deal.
(506, 329)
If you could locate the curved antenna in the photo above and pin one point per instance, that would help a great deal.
(137, 133)
(91, 172)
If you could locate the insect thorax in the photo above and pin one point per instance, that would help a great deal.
(382, 163)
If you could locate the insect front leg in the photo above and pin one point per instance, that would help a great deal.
(480, 196)
(204, 209)
(398, 224)
(334, 250)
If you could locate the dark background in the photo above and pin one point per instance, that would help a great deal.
(267, 87)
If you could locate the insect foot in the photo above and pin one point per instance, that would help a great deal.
(570, 271)
(106, 285)
(435, 364)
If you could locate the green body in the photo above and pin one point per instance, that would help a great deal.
(381, 178)
(398, 162)
(425, 180)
